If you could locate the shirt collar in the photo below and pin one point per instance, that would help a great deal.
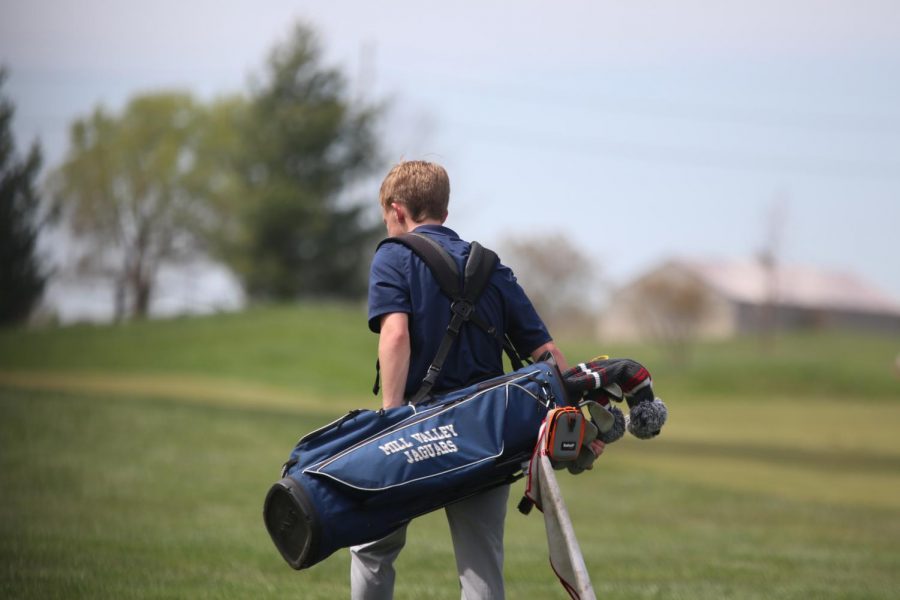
(437, 229)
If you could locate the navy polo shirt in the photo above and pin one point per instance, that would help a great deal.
(400, 281)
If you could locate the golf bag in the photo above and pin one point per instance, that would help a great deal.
(366, 474)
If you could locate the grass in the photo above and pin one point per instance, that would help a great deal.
(327, 350)
(324, 349)
(134, 461)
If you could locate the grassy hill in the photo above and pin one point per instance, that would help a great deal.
(327, 349)
(134, 460)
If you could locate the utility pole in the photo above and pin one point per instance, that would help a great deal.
(770, 258)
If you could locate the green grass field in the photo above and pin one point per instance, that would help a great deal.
(134, 461)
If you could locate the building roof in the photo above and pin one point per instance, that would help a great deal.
(749, 282)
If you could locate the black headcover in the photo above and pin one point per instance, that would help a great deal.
(604, 376)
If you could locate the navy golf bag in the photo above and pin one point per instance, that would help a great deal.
(366, 474)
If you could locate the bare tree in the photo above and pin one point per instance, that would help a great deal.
(562, 281)
(671, 311)
(122, 191)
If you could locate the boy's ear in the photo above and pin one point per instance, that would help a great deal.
(401, 211)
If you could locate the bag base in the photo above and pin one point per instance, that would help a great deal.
(291, 522)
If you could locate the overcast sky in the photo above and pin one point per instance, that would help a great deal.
(641, 129)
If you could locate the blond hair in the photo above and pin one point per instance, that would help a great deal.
(422, 187)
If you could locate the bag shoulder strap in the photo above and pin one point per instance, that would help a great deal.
(438, 260)
(479, 267)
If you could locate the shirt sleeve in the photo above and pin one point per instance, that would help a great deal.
(388, 284)
(525, 327)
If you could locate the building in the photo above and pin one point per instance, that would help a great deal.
(710, 299)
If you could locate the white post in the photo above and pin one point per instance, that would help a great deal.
(565, 554)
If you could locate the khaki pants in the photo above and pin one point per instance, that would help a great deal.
(476, 527)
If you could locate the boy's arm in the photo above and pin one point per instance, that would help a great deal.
(393, 356)
(555, 351)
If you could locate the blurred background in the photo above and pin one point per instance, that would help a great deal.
(633, 134)
(189, 206)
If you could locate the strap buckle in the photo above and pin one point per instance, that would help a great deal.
(462, 308)
(432, 374)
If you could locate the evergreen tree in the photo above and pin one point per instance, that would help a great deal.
(22, 276)
(305, 142)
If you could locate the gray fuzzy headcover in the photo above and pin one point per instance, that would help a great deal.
(646, 419)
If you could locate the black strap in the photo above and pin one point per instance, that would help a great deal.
(479, 267)
(438, 260)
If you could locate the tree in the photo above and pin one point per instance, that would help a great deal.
(305, 143)
(260, 182)
(671, 311)
(562, 282)
(22, 276)
(125, 191)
